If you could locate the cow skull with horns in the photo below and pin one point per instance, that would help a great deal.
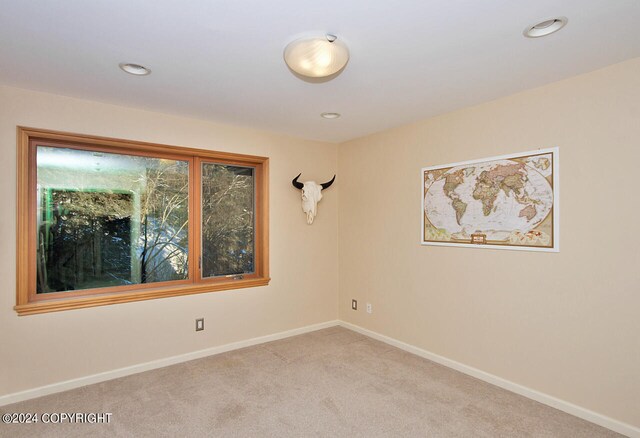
(311, 195)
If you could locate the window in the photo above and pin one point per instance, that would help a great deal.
(104, 221)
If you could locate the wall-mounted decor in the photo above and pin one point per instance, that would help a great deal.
(311, 195)
(505, 202)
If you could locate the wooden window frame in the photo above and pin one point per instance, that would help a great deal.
(28, 302)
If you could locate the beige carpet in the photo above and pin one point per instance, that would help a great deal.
(329, 383)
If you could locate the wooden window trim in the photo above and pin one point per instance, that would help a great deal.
(28, 302)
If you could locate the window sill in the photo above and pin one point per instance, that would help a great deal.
(60, 304)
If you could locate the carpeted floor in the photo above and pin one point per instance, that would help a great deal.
(329, 383)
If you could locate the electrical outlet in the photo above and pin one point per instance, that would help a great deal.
(354, 304)
(199, 324)
(369, 308)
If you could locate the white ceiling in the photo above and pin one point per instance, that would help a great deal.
(222, 60)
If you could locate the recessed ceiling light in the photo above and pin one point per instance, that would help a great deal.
(330, 115)
(546, 27)
(135, 69)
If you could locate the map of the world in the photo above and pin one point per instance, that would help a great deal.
(502, 202)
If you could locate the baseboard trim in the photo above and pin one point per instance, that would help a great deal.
(134, 369)
(570, 408)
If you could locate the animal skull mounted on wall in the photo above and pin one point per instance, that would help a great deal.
(311, 195)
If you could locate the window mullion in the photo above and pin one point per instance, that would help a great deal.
(196, 220)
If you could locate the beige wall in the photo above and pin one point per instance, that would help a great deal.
(42, 349)
(565, 324)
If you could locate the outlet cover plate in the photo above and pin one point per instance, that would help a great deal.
(199, 324)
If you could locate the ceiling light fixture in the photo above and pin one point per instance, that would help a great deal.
(330, 115)
(135, 69)
(545, 28)
(316, 57)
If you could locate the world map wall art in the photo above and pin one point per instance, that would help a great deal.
(505, 202)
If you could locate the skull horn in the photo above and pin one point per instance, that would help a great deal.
(296, 184)
(328, 184)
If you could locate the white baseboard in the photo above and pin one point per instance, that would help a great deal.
(134, 369)
(570, 408)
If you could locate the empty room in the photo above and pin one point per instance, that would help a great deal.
(290, 218)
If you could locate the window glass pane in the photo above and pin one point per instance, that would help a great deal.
(107, 219)
(227, 220)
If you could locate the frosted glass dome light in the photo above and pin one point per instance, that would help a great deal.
(316, 57)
